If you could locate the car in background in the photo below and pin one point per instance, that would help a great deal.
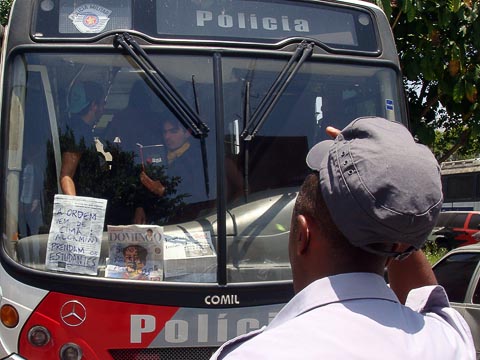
(459, 273)
(456, 228)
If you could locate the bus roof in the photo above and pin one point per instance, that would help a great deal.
(460, 166)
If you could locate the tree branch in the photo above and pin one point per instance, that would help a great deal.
(462, 140)
(397, 18)
(428, 106)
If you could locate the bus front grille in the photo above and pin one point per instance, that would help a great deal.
(186, 353)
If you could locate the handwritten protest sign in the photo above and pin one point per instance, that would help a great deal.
(75, 237)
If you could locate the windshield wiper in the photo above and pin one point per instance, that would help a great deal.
(303, 51)
(162, 87)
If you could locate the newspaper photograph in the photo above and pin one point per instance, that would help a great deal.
(135, 252)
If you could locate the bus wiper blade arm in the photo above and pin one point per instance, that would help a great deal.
(162, 87)
(303, 51)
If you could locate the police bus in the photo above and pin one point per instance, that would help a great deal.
(461, 184)
(112, 96)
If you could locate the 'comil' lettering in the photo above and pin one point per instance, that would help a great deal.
(221, 300)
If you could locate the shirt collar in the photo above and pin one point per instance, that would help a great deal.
(332, 289)
(175, 154)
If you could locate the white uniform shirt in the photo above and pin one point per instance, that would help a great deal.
(357, 316)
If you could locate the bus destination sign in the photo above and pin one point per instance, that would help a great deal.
(264, 21)
(243, 20)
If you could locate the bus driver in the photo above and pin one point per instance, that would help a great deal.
(183, 158)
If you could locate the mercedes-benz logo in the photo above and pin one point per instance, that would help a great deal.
(73, 313)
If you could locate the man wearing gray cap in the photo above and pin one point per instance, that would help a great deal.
(372, 200)
(86, 105)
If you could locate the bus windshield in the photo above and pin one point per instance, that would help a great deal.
(135, 132)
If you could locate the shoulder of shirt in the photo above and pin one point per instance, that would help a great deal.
(232, 344)
(433, 301)
(427, 298)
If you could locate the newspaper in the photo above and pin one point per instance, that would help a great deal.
(75, 236)
(135, 252)
(189, 256)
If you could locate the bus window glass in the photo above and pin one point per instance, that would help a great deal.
(461, 184)
(455, 272)
(459, 187)
(37, 153)
(146, 163)
(126, 134)
(265, 173)
(477, 186)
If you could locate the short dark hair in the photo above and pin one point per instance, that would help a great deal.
(172, 121)
(310, 203)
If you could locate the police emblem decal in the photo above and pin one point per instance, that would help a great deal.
(90, 18)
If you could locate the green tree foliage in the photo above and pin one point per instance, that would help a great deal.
(438, 43)
(5, 6)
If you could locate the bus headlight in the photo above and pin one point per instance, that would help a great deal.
(70, 351)
(9, 316)
(38, 336)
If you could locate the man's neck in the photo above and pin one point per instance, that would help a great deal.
(174, 154)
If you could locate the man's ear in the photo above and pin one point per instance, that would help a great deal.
(302, 240)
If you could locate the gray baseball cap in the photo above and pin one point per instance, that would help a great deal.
(379, 185)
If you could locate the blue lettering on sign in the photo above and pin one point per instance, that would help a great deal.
(389, 104)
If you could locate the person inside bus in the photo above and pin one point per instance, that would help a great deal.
(370, 203)
(184, 162)
(137, 123)
(86, 106)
